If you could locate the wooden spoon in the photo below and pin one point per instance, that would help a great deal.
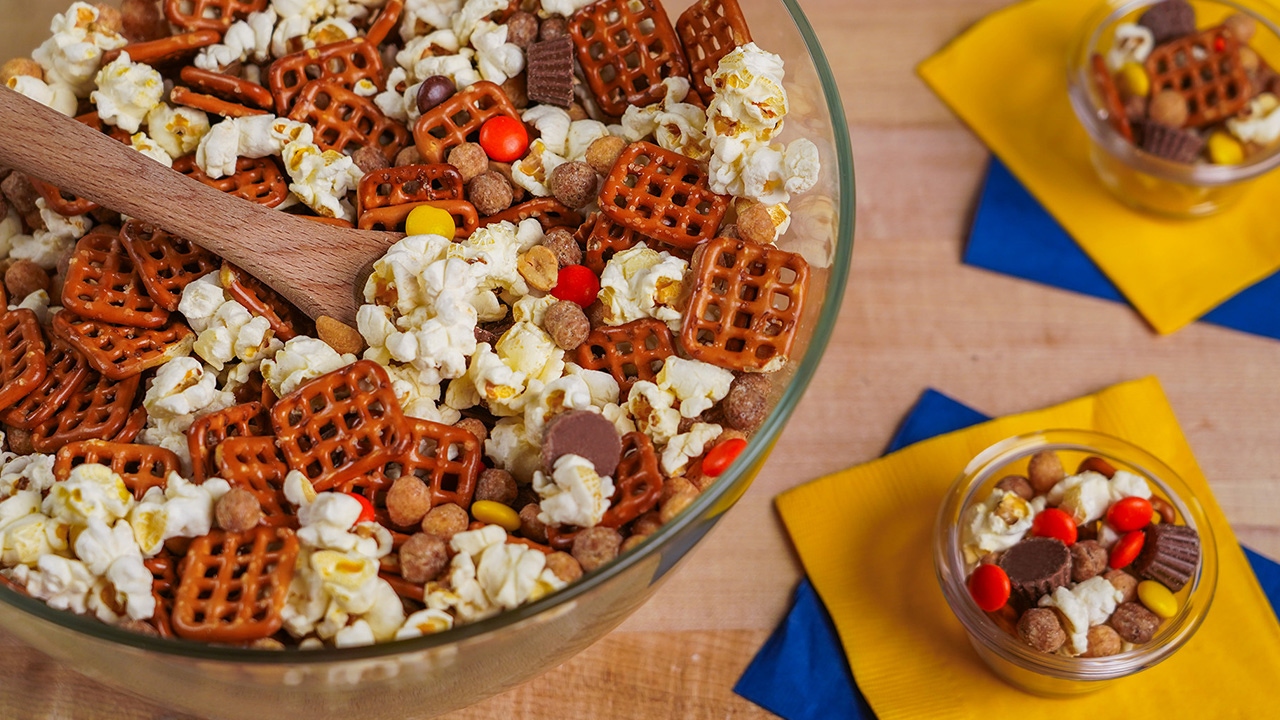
(313, 264)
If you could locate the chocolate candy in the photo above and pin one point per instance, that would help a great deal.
(1170, 555)
(1036, 567)
(583, 433)
(433, 91)
(1169, 20)
(550, 78)
(1171, 143)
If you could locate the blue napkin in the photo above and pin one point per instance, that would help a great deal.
(801, 672)
(1014, 235)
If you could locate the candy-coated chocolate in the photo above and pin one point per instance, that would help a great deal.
(1055, 523)
(1129, 514)
(430, 220)
(1126, 549)
(722, 456)
(576, 283)
(990, 587)
(1157, 598)
(366, 508)
(504, 139)
(495, 513)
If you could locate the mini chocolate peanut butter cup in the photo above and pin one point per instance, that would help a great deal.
(1169, 556)
(583, 433)
(1036, 567)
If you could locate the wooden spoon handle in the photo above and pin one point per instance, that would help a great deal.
(312, 264)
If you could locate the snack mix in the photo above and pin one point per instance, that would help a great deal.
(574, 339)
(1087, 565)
(1188, 94)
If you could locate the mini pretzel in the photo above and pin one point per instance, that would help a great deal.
(1111, 99)
(210, 14)
(603, 238)
(256, 179)
(209, 431)
(447, 458)
(67, 371)
(409, 184)
(23, 365)
(140, 466)
(167, 49)
(343, 119)
(629, 352)
(637, 481)
(745, 304)
(134, 424)
(254, 463)
(345, 63)
(234, 585)
(626, 49)
(1205, 69)
(341, 425)
(97, 410)
(118, 351)
(286, 320)
(385, 21)
(389, 570)
(103, 284)
(709, 30)
(392, 217)
(210, 104)
(458, 119)
(548, 211)
(662, 194)
(165, 263)
(228, 87)
(164, 584)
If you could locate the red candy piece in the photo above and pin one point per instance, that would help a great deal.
(990, 587)
(504, 139)
(1054, 523)
(1129, 514)
(1126, 549)
(576, 283)
(366, 508)
(722, 456)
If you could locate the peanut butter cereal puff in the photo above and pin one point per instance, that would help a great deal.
(567, 324)
(1103, 642)
(522, 29)
(1041, 629)
(475, 427)
(561, 244)
(530, 525)
(574, 184)
(603, 153)
(490, 193)
(596, 546)
(238, 511)
(370, 159)
(408, 501)
(423, 557)
(564, 566)
(1018, 485)
(1124, 582)
(1044, 470)
(496, 485)
(553, 27)
(142, 20)
(1134, 623)
(25, 277)
(747, 404)
(445, 521)
(470, 160)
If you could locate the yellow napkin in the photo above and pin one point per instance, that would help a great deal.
(864, 536)
(1006, 78)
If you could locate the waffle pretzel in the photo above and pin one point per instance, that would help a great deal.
(447, 458)
(392, 217)
(210, 14)
(286, 320)
(256, 179)
(209, 431)
(1204, 68)
(548, 211)
(385, 21)
(603, 238)
(167, 49)
(66, 371)
(119, 351)
(134, 424)
(626, 48)
(341, 425)
(745, 304)
(629, 352)
(228, 87)
(637, 489)
(210, 104)
(254, 463)
(662, 194)
(233, 586)
(98, 410)
(409, 184)
(165, 263)
(103, 284)
(1111, 101)
(709, 30)
(458, 119)
(346, 63)
(164, 583)
(142, 467)
(23, 365)
(343, 119)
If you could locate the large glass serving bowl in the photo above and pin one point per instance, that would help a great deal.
(430, 675)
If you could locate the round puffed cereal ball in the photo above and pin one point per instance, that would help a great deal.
(1017, 485)
(22, 196)
(25, 277)
(646, 524)
(19, 67)
(1088, 559)
(603, 153)
(673, 505)
(490, 193)
(266, 643)
(564, 566)
(142, 20)
(409, 156)
(1168, 107)
(20, 441)
(567, 324)
(475, 427)
(1134, 623)
(596, 546)
(1242, 26)
(522, 29)
(370, 159)
(553, 27)
(109, 18)
(408, 501)
(237, 511)
(561, 244)
(445, 521)
(423, 557)
(470, 160)
(497, 485)
(574, 184)
(1124, 582)
(530, 526)
(1044, 471)
(747, 403)
(1103, 641)
(756, 225)
(1041, 629)
(504, 169)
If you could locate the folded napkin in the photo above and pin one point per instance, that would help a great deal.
(1006, 78)
(864, 536)
(801, 672)
(1013, 234)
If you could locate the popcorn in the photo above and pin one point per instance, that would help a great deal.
(552, 124)
(177, 130)
(1133, 44)
(233, 333)
(765, 173)
(45, 247)
(331, 30)
(10, 228)
(496, 58)
(487, 574)
(62, 583)
(71, 56)
(1125, 484)
(321, 179)
(998, 523)
(1260, 123)
(640, 283)
(111, 552)
(253, 136)
(570, 392)
(1087, 604)
(563, 7)
(301, 359)
(418, 399)
(182, 390)
(180, 509)
(696, 384)
(560, 140)
(26, 533)
(683, 448)
(533, 172)
(431, 13)
(510, 448)
(574, 494)
(201, 298)
(397, 104)
(56, 95)
(1085, 496)
(38, 303)
(127, 92)
(425, 622)
(675, 125)
(90, 491)
(654, 411)
(473, 12)
(26, 472)
(148, 147)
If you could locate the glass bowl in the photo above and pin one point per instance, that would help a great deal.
(1142, 180)
(430, 675)
(1008, 657)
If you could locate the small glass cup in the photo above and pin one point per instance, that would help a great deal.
(1140, 179)
(1008, 657)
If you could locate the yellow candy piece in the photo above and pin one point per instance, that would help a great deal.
(1157, 598)
(1155, 517)
(1133, 81)
(1224, 149)
(495, 513)
(428, 220)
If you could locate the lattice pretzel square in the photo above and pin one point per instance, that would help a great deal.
(709, 30)
(210, 14)
(626, 48)
(392, 217)
(409, 184)
(629, 352)
(662, 194)
(96, 411)
(254, 463)
(458, 119)
(548, 211)
(638, 481)
(67, 370)
(447, 458)
(165, 263)
(119, 351)
(1205, 70)
(233, 586)
(23, 365)
(256, 179)
(745, 305)
(341, 425)
(228, 87)
(164, 584)
(343, 119)
(345, 63)
(103, 284)
(141, 467)
(208, 431)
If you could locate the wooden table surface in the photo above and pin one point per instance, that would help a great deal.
(913, 317)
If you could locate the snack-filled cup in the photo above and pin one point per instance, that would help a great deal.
(1178, 100)
(1143, 591)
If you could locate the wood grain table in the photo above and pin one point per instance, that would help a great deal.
(913, 317)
